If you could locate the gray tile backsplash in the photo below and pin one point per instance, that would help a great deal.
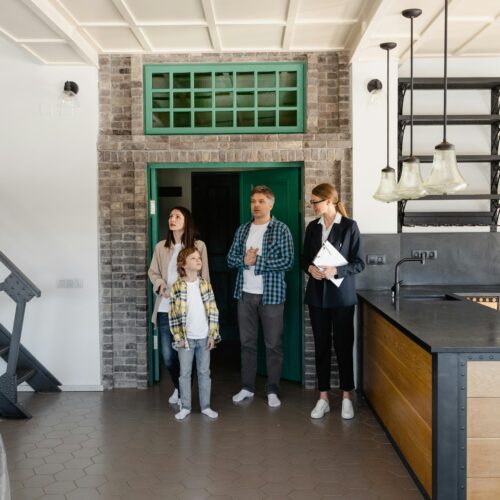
(463, 258)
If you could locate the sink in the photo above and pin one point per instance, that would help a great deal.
(441, 296)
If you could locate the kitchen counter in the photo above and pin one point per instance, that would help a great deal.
(430, 369)
(445, 323)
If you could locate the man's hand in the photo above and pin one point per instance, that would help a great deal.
(316, 272)
(329, 272)
(251, 256)
(164, 291)
(211, 343)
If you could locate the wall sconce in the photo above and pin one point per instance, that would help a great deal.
(69, 100)
(375, 88)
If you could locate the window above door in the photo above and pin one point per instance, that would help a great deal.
(195, 99)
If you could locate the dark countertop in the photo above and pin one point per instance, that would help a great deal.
(452, 325)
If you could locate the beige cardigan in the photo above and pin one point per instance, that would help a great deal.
(159, 266)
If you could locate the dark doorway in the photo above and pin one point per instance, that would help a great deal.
(218, 196)
(215, 208)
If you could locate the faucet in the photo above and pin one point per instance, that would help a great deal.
(397, 283)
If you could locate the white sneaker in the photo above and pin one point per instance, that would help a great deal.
(243, 394)
(322, 407)
(181, 415)
(273, 400)
(174, 398)
(210, 413)
(347, 409)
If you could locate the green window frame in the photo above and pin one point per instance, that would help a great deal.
(204, 99)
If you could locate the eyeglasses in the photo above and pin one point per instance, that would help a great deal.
(312, 202)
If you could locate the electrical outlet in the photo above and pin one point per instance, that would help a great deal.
(375, 260)
(428, 254)
(70, 283)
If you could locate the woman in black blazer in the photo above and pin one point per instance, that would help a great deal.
(330, 305)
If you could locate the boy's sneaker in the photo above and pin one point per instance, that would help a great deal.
(182, 414)
(273, 400)
(243, 394)
(174, 398)
(210, 413)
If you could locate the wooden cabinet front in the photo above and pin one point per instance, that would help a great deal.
(397, 380)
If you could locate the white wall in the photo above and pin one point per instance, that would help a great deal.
(369, 146)
(48, 211)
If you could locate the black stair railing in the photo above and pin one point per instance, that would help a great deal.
(22, 366)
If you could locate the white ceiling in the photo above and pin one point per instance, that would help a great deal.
(77, 31)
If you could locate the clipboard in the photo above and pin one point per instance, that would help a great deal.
(329, 256)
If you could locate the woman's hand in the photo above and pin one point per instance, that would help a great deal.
(164, 291)
(329, 272)
(210, 343)
(316, 272)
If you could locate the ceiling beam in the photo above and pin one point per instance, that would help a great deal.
(362, 31)
(208, 9)
(10, 38)
(438, 18)
(46, 11)
(129, 18)
(460, 49)
(291, 21)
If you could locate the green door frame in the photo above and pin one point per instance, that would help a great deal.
(152, 204)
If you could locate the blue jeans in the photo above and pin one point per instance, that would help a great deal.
(197, 348)
(170, 357)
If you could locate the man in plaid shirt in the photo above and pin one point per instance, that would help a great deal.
(262, 251)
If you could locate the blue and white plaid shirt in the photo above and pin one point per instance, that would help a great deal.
(276, 259)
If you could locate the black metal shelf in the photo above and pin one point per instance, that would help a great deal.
(492, 159)
(453, 83)
(452, 119)
(447, 219)
(460, 158)
(459, 197)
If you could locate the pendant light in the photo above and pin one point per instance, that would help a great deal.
(410, 182)
(445, 178)
(387, 188)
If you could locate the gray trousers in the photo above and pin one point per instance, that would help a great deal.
(250, 309)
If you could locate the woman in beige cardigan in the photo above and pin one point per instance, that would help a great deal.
(163, 273)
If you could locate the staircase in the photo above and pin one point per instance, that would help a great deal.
(22, 366)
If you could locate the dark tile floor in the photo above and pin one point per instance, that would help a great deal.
(126, 445)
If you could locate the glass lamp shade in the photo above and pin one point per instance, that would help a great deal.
(445, 178)
(387, 188)
(410, 183)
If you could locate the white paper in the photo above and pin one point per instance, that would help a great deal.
(329, 256)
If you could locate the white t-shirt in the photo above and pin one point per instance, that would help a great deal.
(172, 275)
(252, 283)
(196, 319)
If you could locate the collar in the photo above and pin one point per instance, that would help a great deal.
(271, 221)
(336, 220)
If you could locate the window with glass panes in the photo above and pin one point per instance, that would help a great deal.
(224, 98)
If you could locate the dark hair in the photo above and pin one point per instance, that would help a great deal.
(189, 235)
(182, 257)
(267, 192)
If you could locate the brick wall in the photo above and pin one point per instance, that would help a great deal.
(124, 152)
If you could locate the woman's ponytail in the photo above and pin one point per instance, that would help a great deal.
(328, 191)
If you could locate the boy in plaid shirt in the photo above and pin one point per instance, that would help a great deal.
(194, 323)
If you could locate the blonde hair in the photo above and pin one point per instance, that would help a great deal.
(182, 258)
(328, 191)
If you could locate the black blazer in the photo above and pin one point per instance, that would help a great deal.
(345, 238)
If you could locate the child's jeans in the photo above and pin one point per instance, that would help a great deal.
(197, 348)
